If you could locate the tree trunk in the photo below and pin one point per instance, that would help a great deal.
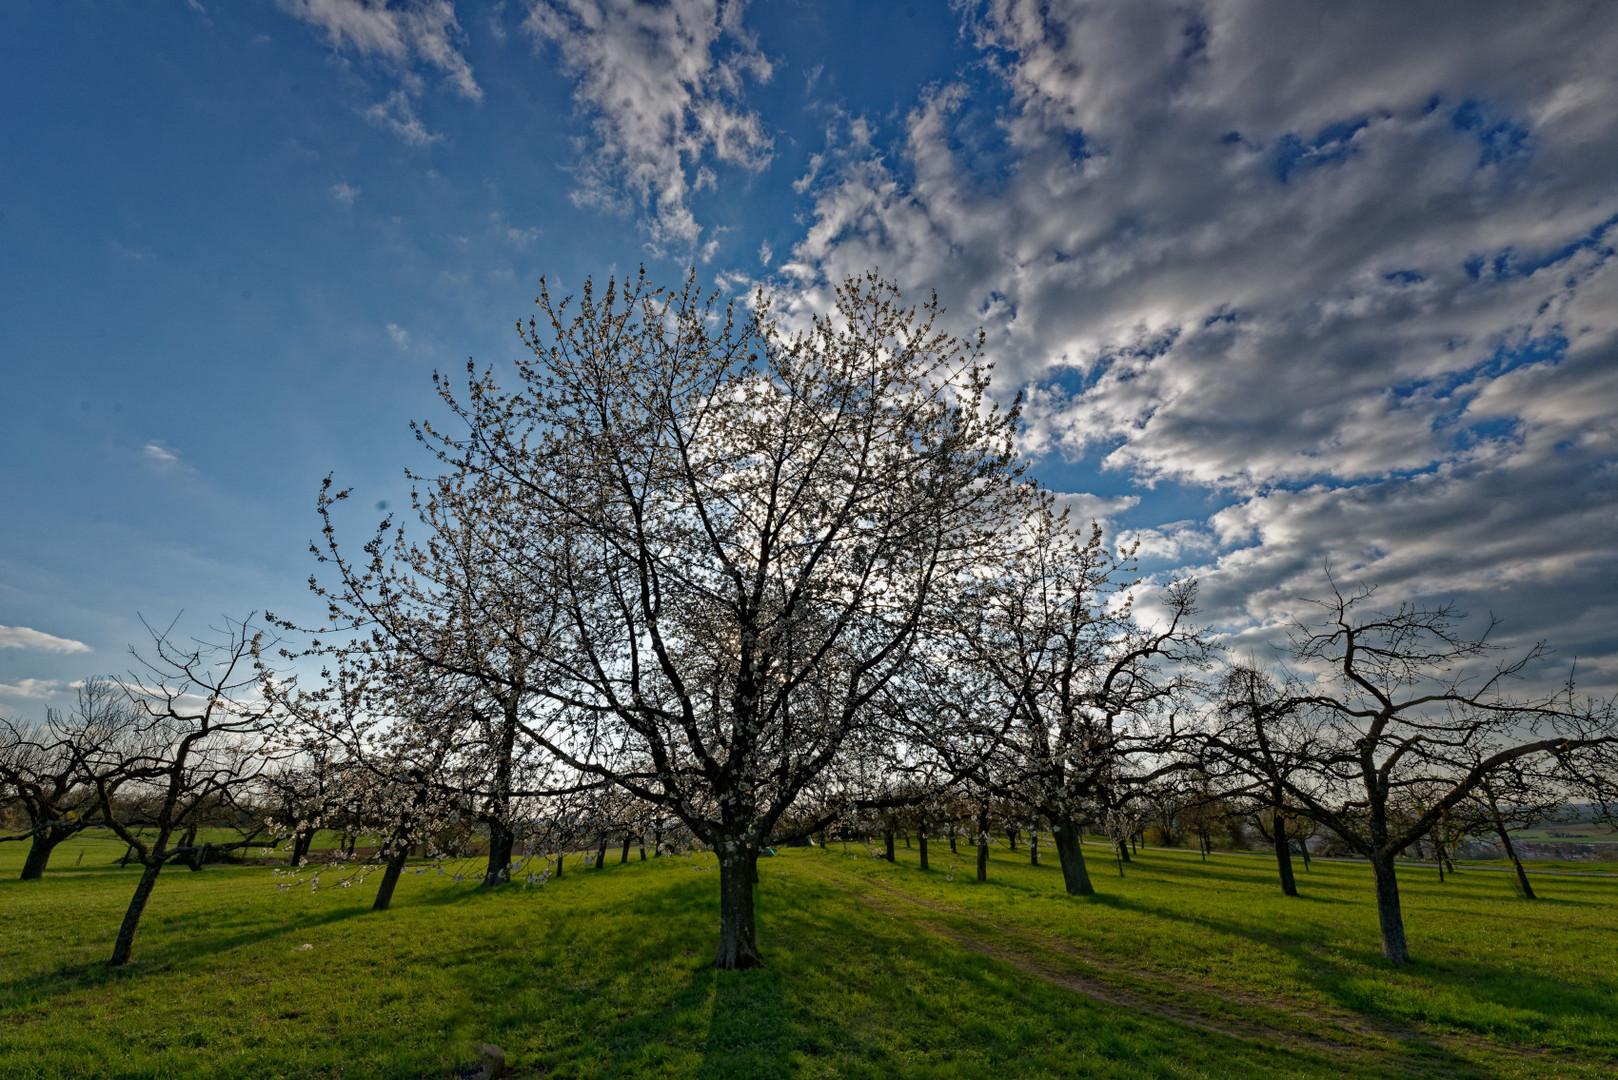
(390, 878)
(1283, 857)
(983, 845)
(1033, 848)
(501, 841)
(601, 854)
(887, 840)
(952, 848)
(642, 847)
(559, 856)
(137, 906)
(921, 842)
(300, 846)
(1511, 853)
(1387, 909)
(738, 943)
(39, 853)
(1123, 850)
(1011, 839)
(623, 858)
(1069, 840)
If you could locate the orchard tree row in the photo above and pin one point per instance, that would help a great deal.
(706, 575)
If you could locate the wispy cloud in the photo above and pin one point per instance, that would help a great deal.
(344, 193)
(400, 33)
(400, 336)
(402, 36)
(159, 455)
(22, 637)
(397, 113)
(663, 84)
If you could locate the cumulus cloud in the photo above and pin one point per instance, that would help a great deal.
(1347, 269)
(1101, 509)
(22, 637)
(662, 84)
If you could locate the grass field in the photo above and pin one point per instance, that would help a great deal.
(1179, 969)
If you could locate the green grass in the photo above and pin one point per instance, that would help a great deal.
(1179, 969)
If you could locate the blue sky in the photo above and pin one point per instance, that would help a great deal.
(1282, 282)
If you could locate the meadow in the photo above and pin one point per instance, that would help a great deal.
(1180, 968)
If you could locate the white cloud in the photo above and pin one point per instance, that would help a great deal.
(160, 455)
(662, 83)
(400, 336)
(397, 113)
(412, 30)
(344, 193)
(1356, 280)
(1101, 509)
(29, 688)
(22, 637)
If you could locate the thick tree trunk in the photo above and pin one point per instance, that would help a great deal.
(39, 853)
(738, 942)
(1387, 909)
(501, 842)
(623, 858)
(137, 906)
(1069, 840)
(601, 854)
(390, 878)
(1283, 856)
(887, 840)
(921, 842)
(300, 846)
(1123, 850)
(559, 856)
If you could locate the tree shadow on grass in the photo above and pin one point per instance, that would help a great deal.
(65, 979)
(1353, 979)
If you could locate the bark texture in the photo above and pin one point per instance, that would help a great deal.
(738, 940)
(1070, 853)
(1388, 912)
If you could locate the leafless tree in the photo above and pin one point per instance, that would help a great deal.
(1388, 704)
(197, 746)
(51, 769)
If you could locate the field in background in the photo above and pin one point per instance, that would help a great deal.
(1179, 969)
